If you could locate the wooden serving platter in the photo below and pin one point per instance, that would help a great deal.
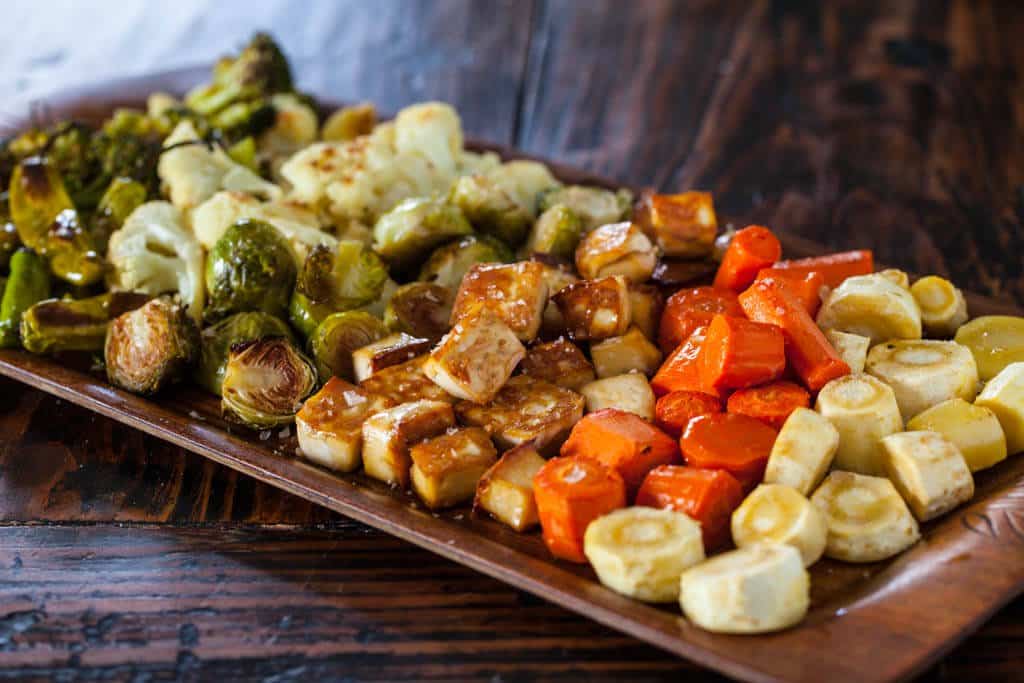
(882, 621)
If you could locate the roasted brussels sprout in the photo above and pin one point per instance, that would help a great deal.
(421, 309)
(27, 284)
(349, 123)
(594, 205)
(250, 268)
(9, 241)
(265, 382)
(216, 341)
(555, 233)
(151, 347)
(344, 278)
(338, 336)
(415, 226)
(490, 209)
(122, 197)
(257, 72)
(74, 324)
(449, 263)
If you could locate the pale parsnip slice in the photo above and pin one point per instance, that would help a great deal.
(852, 348)
(863, 409)
(774, 513)
(630, 392)
(928, 471)
(872, 306)
(943, 307)
(924, 372)
(974, 430)
(1004, 396)
(803, 451)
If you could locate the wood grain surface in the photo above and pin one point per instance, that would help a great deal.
(897, 126)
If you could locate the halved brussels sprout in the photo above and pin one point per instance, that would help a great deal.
(407, 232)
(250, 268)
(123, 196)
(421, 309)
(595, 206)
(265, 382)
(556, 232)
(151, 347)
(344, 278)
(216, 342)
(28, 283)
(9, 241)
(449, 263)
(490, 209)
(338, 336)
(74, 325)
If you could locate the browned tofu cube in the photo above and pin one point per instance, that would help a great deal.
(388, 435)
(476, 357)
(330, 424)
(560, 362)
(384, 353)
(506, 490)
(515, 292)
(557, 277)
(631, 352)
(595, 309)
(404, 383)
(646, 304)
(681, 224)
(446, 469)
(616, 249)
(526, 410)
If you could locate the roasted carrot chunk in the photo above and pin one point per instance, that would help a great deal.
(805, 286)
(769, 403)
(623, 441)
(752, 248)
(739, 353)
(571, 493)
(688, 309)
(680, 371)
(738, 444)
(708, 496)
(834, 268)
(807, 350)
(673, 411)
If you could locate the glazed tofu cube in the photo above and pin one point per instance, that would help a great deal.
(506, 490)
(681, 224)
(405, 383)
(330, 424)
(631, 393)
(928, 471)
(557, 278)
(560, 362)
(646, 304)
(526, 410)
(475, 359)
(388, 435)
(387, 352)
(446, 469)
(595, 309)
(628, 353)
(515, 292)
(617, 249)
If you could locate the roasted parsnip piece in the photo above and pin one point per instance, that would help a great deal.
(774, 513)
(943, 307)
(526, 410)
(897, 277)
(974, 430)
(803, 451)
(867, 519)
(595, 309)
(924, 372)
(330, 424)
(852, 348)
(863, 409)
(756, 589)
(475, 359)
(928, 471)
(641, 551)
(646, 304)
(995, 341)
(680, 224)
(388, 435)
(387, 352)
(405, 383)
(515, 292)
(630, 392)
(1004, 396)
(506, 489)
(616, 249)
(631, 352)
(446, 469)
(560, 362)
(872, 306)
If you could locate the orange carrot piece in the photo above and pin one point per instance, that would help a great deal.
(805, 286)
(769, 403)
(751, 249)
(833, 267)
(688, 309)
(739, 353)
(673, 411)
(708, 496)
(810, 354)
(623, 441)
(680, 371)
(738, 444)
(571, 493)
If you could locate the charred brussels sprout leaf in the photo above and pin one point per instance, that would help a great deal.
(338, 336)
(216, 342)
(595, 206)
(74, 324)
(556, 232)
(265, 382)
(250, 268)
(151, 347)
(409, 231)
(346, 277)
(27, 284)
(421, 309)
(449, 263)
(305, 315)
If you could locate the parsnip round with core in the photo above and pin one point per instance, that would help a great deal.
(863, 409)
(943, 307)
(773, 513)
(973, 429)
(872, 306)
(924, 372)
(928, 471)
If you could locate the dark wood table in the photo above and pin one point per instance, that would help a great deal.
(900, 128)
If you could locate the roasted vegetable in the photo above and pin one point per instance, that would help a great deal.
(28, 283)
(616, 249)
(348, 123)
(338, 336)
(448, 264)
(119, 201)
(774, 513)
(594, 205)
(9, 241)
(872, 306)
(973, 429)
(265, 382)
(216, 341)
(251, 268)
(995, 341)
(863, 410)
(74, 325)
(943, 307)
(803, 451)
(929, 472)
(342, 279)
(151, 347)
(503, 200)
(924, 372)
(555, 233)
(420, 309)
(1004, 396)
(415, 226)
